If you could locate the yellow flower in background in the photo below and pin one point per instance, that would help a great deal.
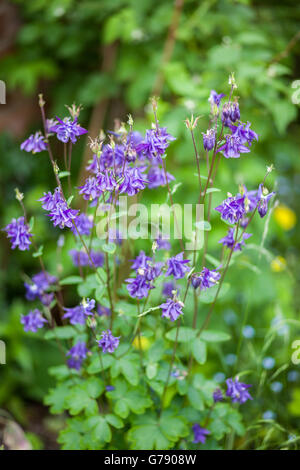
(141, 343)
(278, 264)
(285, 217)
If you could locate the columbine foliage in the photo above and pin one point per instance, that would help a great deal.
(132, 352)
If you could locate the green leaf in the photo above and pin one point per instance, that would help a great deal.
(213, 190)
(99, 292)
(61, 332)
(82, 396)
(71, 280)
(199, 350)
(185, 334)
(99, 428)
(195, 398)
(56, 398)
(129, 399)
(151, 370)
(213, 336)
(152, 433)
(114, 420)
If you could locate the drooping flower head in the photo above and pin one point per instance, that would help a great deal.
(38, 286)
(108, 342)
(244, 133)
(233, 147)
(200, 434)
(229, 240)
(133, 182)
(232, 209)
(76, 355)
(19, 233)
(177, 266)
(215, 98)
(141, 261)
(209, 139)
(138, 287)
(237, 391)
(172, 309)
(207, 278)
(169, 288)
(230, 113)
(68, 130)
(91, 189)
(35, 143)
(156, 177)
(218, 395)
(263, 197)
(155, 143)
(33, 321)
(83, 225)
(78, 314)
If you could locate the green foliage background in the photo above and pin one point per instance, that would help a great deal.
(108, 55)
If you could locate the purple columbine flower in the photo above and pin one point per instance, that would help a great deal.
(133, 182)
(59, 211)
(138, 287)
(91, 189)
(141, 261)
(83, 225)
(109, 388)
(229, 240)
(177, 266)
(79, 258)
(244, 133)
(63, 215)
(106, 181)
(19, 233)
(77, 355)
(103, 311)
(49, 200)
(155, 143)
(78, 314)
(215, 98)
(169, 288)
(172, 309)
(251, 199)
(200, 434)
(238, 391)
(33, 321)
(163, 243)
(232, 209)
(40, 283)
(206, 279)
(218, 395)
(233, 147)
(35, 143)
(111, 157)
(230, 113)
(67, 130)
(108, 342)
(263, 200)
(157, 177)
(209, 139)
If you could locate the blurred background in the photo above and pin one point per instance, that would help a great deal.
(111, 56)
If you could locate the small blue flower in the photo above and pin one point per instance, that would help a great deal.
(248, 332)
(200, 434)
(177, 266)
(67, 130)
(268, 363)
(238, 391)
(77, 355)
